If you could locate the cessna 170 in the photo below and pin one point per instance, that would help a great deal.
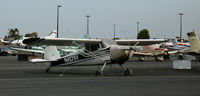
(93, 52)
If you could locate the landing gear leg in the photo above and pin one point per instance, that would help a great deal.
(100, 72)
(127, 72)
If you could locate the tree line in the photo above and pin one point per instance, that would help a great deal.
(13, 34)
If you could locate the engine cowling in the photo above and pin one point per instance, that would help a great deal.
(118, 55)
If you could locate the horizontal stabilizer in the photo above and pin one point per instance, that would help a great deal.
(29, 50)
(40, 60)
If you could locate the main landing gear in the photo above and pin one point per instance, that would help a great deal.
(100, 72)
(127, 72)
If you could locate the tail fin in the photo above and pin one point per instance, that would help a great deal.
(193, 41)
(51, 53)
(175, 43)
(52, 34)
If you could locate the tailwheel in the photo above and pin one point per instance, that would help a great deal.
(180, 57)
(47, 70)
(128, 72)
(99, 72)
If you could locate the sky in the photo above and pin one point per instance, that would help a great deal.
(160, 17)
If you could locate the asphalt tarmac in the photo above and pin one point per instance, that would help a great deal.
(21, 78)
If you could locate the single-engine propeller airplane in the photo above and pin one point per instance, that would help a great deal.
(94, 52)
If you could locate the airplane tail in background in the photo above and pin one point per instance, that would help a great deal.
(52, 34)
(175, 43)
(194, 42)
(51, 53)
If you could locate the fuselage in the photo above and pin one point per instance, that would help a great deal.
(82, 57)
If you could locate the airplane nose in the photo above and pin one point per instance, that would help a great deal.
(118, 55)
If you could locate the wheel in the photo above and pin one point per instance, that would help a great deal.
(128, 72)
(166, 57)
(47, 70)
(99, 72)
(180, 57)
(141, 59)
(4, 54)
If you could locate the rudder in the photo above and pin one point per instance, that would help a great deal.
(51, 53)
(194, 42)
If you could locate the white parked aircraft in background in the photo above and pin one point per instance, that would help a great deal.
(153, 50)
(94, 52)
(37, 49)
(150, 50)
(20, 43)
(179, 46)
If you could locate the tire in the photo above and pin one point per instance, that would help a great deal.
(128, 72)
(4, 54)
(180, 57)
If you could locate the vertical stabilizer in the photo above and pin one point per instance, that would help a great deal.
(52, 34)
(194, 42)
(175, 43)
(51, 53)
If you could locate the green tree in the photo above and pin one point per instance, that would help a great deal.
(33, 34)
(143, 34)
(13, 34)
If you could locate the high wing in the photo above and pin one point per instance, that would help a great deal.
(142, 42)
(60, 41)
(74, 41)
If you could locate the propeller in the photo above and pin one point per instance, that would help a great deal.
(120, 55)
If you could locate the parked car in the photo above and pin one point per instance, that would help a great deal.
(4, 51)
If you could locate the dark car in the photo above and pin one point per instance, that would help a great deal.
(4, 51)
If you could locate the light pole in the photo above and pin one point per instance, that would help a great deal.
(58, 19)
(138, 27)
(181, 14)
(114, 31)
(87, 16)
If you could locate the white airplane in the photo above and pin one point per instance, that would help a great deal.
(34, 49)
(153, 50)
(94, 52)
(20, 43)
(178, 46)
(4, 42)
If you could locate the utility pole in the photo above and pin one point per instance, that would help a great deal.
(137, 28)
(58, 19)
(181, 14)
(87, 16)
(114, 31)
